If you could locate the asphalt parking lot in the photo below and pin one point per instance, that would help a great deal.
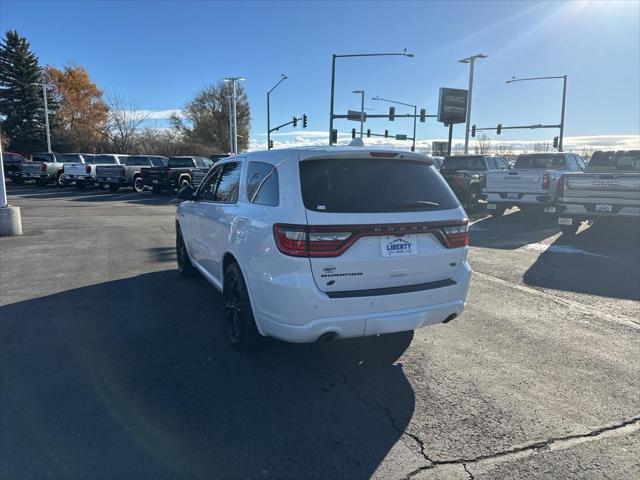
(114, 366)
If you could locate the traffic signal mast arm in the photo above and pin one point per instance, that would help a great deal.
(294, 121)
(474, 128)
(407, 115)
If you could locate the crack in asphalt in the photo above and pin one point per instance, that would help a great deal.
(531, 447)
(465, 462)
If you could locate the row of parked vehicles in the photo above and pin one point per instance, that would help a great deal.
(561, 183)
(112, 171)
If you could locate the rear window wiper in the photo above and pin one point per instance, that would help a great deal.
(418, 204)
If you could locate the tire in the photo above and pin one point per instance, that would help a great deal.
(113, 188)
(471, 203)
(570, 230)
(81, 185)
(185, 267)
(184, 182)
(156, 189)
(238, 315)
(138, 184)
(59, 181)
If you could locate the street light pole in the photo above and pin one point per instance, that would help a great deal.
(233, 80)
(361, 92)
(564, 98)
(284, 77)
(471, 61)
(415, 114)
(44, 85)
(230, 126)
(333, 77)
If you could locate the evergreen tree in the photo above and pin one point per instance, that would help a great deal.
(21, 102)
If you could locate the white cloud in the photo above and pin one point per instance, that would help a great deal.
(159, 114)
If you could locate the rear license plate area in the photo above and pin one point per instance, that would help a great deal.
(603, 208)
(393, 246)
(512, 196)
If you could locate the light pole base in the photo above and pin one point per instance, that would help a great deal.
(10, 221)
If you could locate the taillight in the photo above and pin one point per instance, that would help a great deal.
(455, 180)
(87, 169)
(456, 236)
(334, 240)
(168, 173)
(545, 181)
(560, 187)
(43, 167)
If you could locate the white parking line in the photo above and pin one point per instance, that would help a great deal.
(579, 307)
(569, 249)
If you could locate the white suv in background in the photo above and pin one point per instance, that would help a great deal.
(318, 243)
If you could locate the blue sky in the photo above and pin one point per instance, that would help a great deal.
(161, 53)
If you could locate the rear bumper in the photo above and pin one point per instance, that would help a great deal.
(75, 178)
(299, 312)
(572, 210)
(159, 182)
(112, 180)
(541, 199)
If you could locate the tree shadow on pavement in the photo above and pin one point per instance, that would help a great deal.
(603, 259)
(134, 378)
(513, 230)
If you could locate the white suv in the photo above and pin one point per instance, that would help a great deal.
(318, 243)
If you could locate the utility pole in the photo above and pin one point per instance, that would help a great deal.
(471, 61)
(564, 98)
(361, 92)
(233, 80)
(43, 83)
(284, 77)
(230, 126)
(333, 78)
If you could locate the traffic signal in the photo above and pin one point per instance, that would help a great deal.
(368, 132)
(304, 120)
(499, 129)
(334, 135)
(392, 114)
(473, 130)
(386, 134)
(555, 142)
(353, 133)
(270, 144)
(423, 114)
(295, 122)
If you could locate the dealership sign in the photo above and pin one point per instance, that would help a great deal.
(452, 105)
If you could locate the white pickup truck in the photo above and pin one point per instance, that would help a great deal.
(83, 172)
(531, 183)
(609, 187)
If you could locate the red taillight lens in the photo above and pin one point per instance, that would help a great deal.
(545, 181)
(456, 236)
(560, 187)
(455, 180)
(43, 167)
(87, 169)
(168, 173)
(334, 240)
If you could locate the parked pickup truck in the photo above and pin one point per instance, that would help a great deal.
(531, 183)
(609, 187)
(129, 174)
(83, 172)
(466, 175)
(46, 168)
(12, 164)
(179, 172)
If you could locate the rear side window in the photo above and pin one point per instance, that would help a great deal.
(68, 158)
(462, 162)
(104, 159)
(621, 160)
(558, 162)
(228, 186)
(175, 162)
(262, 184)
(137, 161)
(373, 185)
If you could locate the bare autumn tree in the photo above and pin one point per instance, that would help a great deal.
(205, 119)
(483, 144)
(124, 123)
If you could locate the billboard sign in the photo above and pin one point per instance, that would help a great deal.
(439, 149)
(452, 105)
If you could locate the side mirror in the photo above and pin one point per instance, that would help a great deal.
(186, 193)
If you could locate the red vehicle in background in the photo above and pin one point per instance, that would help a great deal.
(12, 163)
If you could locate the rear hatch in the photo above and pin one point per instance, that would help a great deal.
(109, 171)
(152, 175)
(624, 186)
(74, 165)
(33, 169)
(517, 181)
(380, 222)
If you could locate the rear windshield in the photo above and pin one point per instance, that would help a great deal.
(159, 161)
(176, 162)
(43, 157)
(623, 160)
(373, 185)
(105, 159)
(137, 161)
(464, 163)
(557, 162)
(68, 157)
